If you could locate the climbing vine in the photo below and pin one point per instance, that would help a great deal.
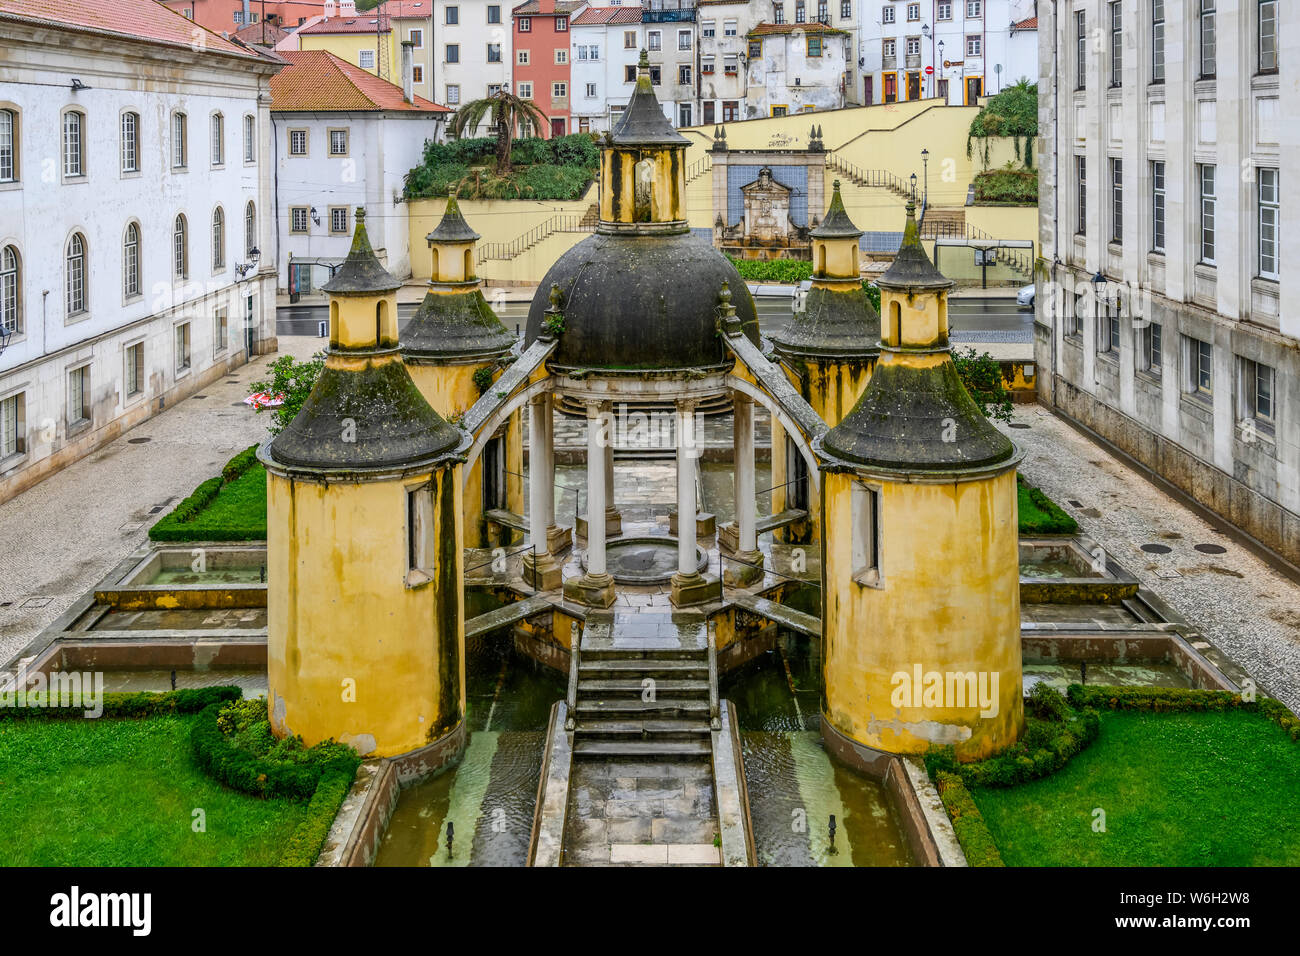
(1013, 113)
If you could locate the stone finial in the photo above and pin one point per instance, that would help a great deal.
(643, 64)
(361, 214)
(556, 297)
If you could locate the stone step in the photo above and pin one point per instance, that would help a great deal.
(599, 685)
(644, 666)
(591, 654)
(635, 707)
(643, 749)
(665, 729)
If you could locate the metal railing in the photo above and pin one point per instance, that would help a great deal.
(698, 168)
(565, 222)
(881, 178)
(571, 697)
(1021, 260)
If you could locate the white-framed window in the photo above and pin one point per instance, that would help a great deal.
(1151, 357)
(974, 45)
(974, 9)
(888, 48)
(452, 17)
(419, 525)
(79, 395)
(453, 94)
(298, 142)
(299, 217)
(629, 39)
(561, 24)
(1108, 325)
(684, 40)
(218, 129)
(494, 52)
(525, 24)
(1269, 201)
(366, 59)
(494, 13)
(729, 28)
(1255, 394)
(131, 261)
(654, 40)
(913, 12)
(130, 141)
(1158, 207)
(864, 504)
(800, 12)
(913, 46)
(133, 369)
(74, 144)
(1266, 36)
(708, 29)
(591, 91)
(416, 36)
(250, 139)
(887, 15)
(11, 291)
(74, 275)
(250, 228)
(8, 146)
(220, 330)
(846, 9)
(684, 78)
(1206, 30)
(339, 220)
(13, 425)
(338, 142)
(778, 13)
(1117, 201)
(1198, 360)
(1080, 49)
(180, 145)
(559, 90)
(1157, 41)
(218, 239)
(180, 247)
(525, 90)
(521, 57)
(561, 56)
(706, 66)
(1206, 224)
(182, 337)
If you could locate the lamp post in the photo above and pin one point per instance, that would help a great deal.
(939, 67)
(1098, 291)
(925, 169)
(913, 187)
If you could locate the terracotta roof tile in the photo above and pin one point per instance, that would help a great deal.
(262, 34)
(594, 16)
(533, 9)
(132, 19)
(361, 23)
(317, 81)
(1031, 23)
(778, 29)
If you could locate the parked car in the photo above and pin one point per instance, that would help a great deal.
(1025, 298)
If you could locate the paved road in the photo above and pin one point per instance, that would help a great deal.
(973, 320)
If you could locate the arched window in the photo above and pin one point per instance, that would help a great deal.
(74, 280)
(8, 146)
(11, 291)
(180, 248)
(218, 239)
(218, 140)
(250, 229)
(131, 261)
(74, 144)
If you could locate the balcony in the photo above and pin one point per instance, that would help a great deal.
(667, 16)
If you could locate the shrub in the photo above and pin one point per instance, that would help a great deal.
(1014, 113)
(483, 378)
(1047, 703)
(1039, 514)
(1019, 186)
(967, 822)
(531, 151)
(576, 149)
(248, 757)
(239, 464)
(1182, 699)
(773, 270)
(294, 381)
(133, 705)
(309, 836)
(982, 376)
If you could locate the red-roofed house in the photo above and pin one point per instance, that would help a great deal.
(541, 68)
(343, 138)
(134, 205)
(606, 43)
(228, 16)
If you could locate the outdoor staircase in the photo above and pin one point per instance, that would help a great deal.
(879, 178)
(943, 222)
(564, 222)
(643, 705)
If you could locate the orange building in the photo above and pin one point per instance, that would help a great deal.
(541, 67)
(229, 16)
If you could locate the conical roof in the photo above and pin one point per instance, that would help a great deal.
(912, 268)
(833, 324)
(361, 273)
(837, 224)
(644, 122)
(453, 227)
(457, 324)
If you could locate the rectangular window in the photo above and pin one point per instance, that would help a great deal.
(706, 67)
(525, 91)
(1207, 38)
(654, 40)
(1157, 41)
(494, 13)
(1108, 326)
(1255, 394)
(683, 76)
(416, 37)
(1207, 213)
(778, 13)
(846, 9)
(494, 52)
(339, 221)
(887, 15)
(559, 91)
(183, 347)
(1151, 357)
(1081, 196)
(591, 91)
(1269, 222)
(800, 12)
(1199, 362)
(452, 53)
(521, 57)
(1158, 207)
(913, 46)
(629, 74)
(1117, 201)
(130, 142)
(218, 140)
(419, 522)
(945, 11)
(629, 39)
(974, 45)
(453, 94)
(684, 40)
(913, 12)
(823, 15)
(417, 73)
(79, 395)
(525, 25)
(730, 111)
(755, 49)
(561, 24)
(974, 9)
(1080, 49)
(730, 65)
(814, 46)
(1266, 31)
(366, 59)
(179, 136)
(708, 28)
(73, 148)
(562, 56)
(888, 48)
(220, 331)
(338, 142)
(134, 356)
(453, 16)
(297, 142)
(8, 146)
(864, 504)
(13, 425)
(298, 219)
(685, 114)
(1116, 44)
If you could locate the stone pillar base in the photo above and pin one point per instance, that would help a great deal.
(558, 540)
(690, 589)
(613, 524)
(737, 575)
(545, 574)
(706, 525)
(593, 590)
(729, 536)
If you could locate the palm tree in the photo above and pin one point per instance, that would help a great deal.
(507, 111)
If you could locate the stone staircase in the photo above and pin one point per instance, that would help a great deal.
(643, 705)
(944, 223)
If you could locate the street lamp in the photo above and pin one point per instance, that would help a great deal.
(914, 187)
(925, 168)
(1098, 291)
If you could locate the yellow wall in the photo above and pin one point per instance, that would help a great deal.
(347, 46)
(950, 602)
(340, 611)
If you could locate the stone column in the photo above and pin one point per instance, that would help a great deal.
(558, 539)
(688, 585)
(613, 519)
(541, 570)
(745, 534)
(595, 588)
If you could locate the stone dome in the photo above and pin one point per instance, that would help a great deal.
(636, 302)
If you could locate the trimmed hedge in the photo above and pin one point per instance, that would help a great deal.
(309, 836)
(967, 821)
(134, 705)
(1182, 700)
(1039, 514)
(245, 460)
(773, 270)
(247, 518)
(221, 756)
(1053, 735)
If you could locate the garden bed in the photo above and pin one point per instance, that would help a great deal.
(1039, 514)
(229, 507)
(544, 169)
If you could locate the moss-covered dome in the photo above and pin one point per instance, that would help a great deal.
(455, 325)
(641, 302)
(833, 323)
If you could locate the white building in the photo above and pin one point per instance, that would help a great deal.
(133, 206)
(606, 43)
(957, 50)
(1164, 322)
(472, 51)
(795, 68)
(724, 26)
(343, 138)
(670, 39)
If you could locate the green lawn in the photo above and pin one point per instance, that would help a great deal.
(123, 793)
(1039, 514)
(1178, 789)
(237, 513)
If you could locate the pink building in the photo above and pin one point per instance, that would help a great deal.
(541, 67)
(229, 16)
